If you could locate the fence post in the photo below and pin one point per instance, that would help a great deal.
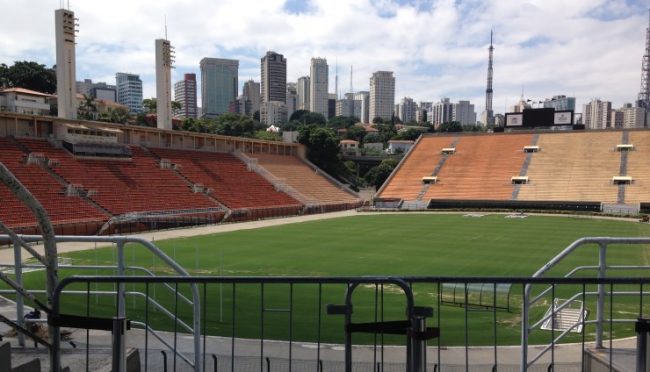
(119, 344)
(600, 305)
(20, 304)
(642, 328)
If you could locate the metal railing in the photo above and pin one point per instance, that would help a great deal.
(388, 310)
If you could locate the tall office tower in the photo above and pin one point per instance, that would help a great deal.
(251, 94)
(318, 86)
(185, 94)
(273, 112)
(364, 110)
(219, 85)
(487, 118)
(66, 87)
(463, 112)
(596, 114)
(274, 77)
(407, 108)
(561, 103)
(129, 91)
(292, 99)
(644, 94)
(164, 60)
(98, 90)
(441, 112)
(382, 95)
(302, 89)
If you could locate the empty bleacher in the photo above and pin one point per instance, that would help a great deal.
(230, 181)
(313, 187)
(481, 168)
(61, 209)
(124, 186)
(422, 160)
(638, 167)
(575, 166)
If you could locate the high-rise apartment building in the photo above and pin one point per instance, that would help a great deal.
(596, 114)
(364, 110)
(185, 94)
(406, 109)
(251, 94)
(463, 112)
(441, 112)
(382, 95)
(318, 86)
(302, 89)
(561, 103)
(273, 112)
(422, 111)
(274, 77)
(129, 91)
(99, 90)
(219, 85)
(349, 106)
(292, 99)
(632, 117)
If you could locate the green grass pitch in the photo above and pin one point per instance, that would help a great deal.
(386, 245)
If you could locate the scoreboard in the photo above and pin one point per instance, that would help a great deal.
(540, 117)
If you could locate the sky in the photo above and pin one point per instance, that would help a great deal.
(436, 48)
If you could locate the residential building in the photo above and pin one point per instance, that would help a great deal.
(24, 101)
(463, 112)
(407, 109)
(129, 91)
(561, 103)
(349, 106)
(251, 94)
(331, 106)
(273, 112)
(633, 117)
(292, 99)
(274, 77)
(99, 90)
(318, 86)
(616, 118)
(302, 89)
(364, 110)
(185, 94)
(441, 112)
(219, 85)
(422, 111)
(596, 114)
(382, 95)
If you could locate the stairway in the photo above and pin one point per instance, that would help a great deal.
(569, 316)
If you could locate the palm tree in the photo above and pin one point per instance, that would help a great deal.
(88, 108)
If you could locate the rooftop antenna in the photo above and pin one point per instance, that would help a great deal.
(166, 27)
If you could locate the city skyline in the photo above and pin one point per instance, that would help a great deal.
(435, 48)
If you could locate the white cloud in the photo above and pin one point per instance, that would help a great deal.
(586, 48)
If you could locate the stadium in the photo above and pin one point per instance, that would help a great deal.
(232, 253)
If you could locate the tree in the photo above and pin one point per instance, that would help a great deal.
(323, 146)
(150, 105)
(28, 75)
(356, 133)
(88, 108)
(176, 107)
(410, 134)
(377, 175)
(372, 137)
(297, 115)
(453, 126)
(267, 136)
(308, 117)
(233, 124)
(340, 122)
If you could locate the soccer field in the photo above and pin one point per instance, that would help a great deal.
(386, 245)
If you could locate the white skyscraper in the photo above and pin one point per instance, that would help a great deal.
(302, 89)
(251, 93)
(66, 87)
(164, 60)
(441, 112)
(596, 114)
(407, 108)
(382, 95)
(463, 112)
(364, 110)
(318, 94)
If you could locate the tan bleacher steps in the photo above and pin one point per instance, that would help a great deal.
(443, 158)
(524, 167)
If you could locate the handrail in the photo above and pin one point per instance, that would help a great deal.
(120, 242)
(162, 340)
(603, 243)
